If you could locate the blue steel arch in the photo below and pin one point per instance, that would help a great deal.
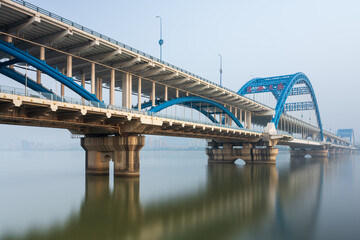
(187, 101)
(21, 56)
(281, 87)
(343, 133)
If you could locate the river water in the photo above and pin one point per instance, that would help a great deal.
(46, 195)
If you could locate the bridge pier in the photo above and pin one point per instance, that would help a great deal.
(315, 153)
(123, 150)
(249, 153)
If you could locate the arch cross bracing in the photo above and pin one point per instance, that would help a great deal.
(20, 56)
(195, 103)
(344, 133)
(282, 87)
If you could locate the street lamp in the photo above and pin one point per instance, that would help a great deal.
(220, 69)
(161, 41)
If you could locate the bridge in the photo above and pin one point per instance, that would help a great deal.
(38, 47)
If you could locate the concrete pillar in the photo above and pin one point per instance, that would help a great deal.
(38, 72)
(248, 153)
(112, 87)
(93, 78)
(139, 93)
(222, 155)
(69, 66)
(166, 93)
(229, 118)
(83, 80)
(127, 159)
(332, 151)
(126, 90)
(314, 153)
(123, 150)
(99, 89)
(248, 120)
(241, 116)
(8, 39)
(152, 97)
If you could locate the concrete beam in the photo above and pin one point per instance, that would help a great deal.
(83, 48)
(191, 85)
(152, 72)
(165, 77)
(140, 67)
(178, 81)
(128, 63)
(25, 26)
(47, 40)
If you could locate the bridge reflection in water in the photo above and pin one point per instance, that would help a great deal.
(252, 201)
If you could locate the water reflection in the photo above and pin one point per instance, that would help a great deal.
(236, 202)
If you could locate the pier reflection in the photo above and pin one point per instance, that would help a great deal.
(256, 201)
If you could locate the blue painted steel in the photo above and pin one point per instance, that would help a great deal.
(22, 79)
(347, 133)
(188, 100)
(45, 68)
(205, 113)
(299, 106)
(148, 104)
(281, 87)
(299, 91)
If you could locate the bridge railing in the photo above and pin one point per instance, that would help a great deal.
(53, 97)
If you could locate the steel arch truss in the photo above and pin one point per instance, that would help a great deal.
(282, 87)
(343, 133)
(20, 56)
(195, 103)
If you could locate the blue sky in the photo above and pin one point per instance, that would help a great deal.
(255, 37)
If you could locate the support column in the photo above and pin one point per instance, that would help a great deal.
(127, 158)
(248, 153)
(83, 80)
(314, 153)
(126, 90)
(38, 72)
(112, 87)
(332, 151)
(93, 78)
(248, 120)
(241, 116)
(139, 94)
(166, 93)
(229, 118)
(152, 97)
(124, 151)
(8, 39)
(100, 88)
(221, 155)
(263, 155)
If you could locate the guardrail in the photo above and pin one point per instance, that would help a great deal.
(53, 97)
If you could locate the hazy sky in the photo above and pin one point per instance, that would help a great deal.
(255, 37)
